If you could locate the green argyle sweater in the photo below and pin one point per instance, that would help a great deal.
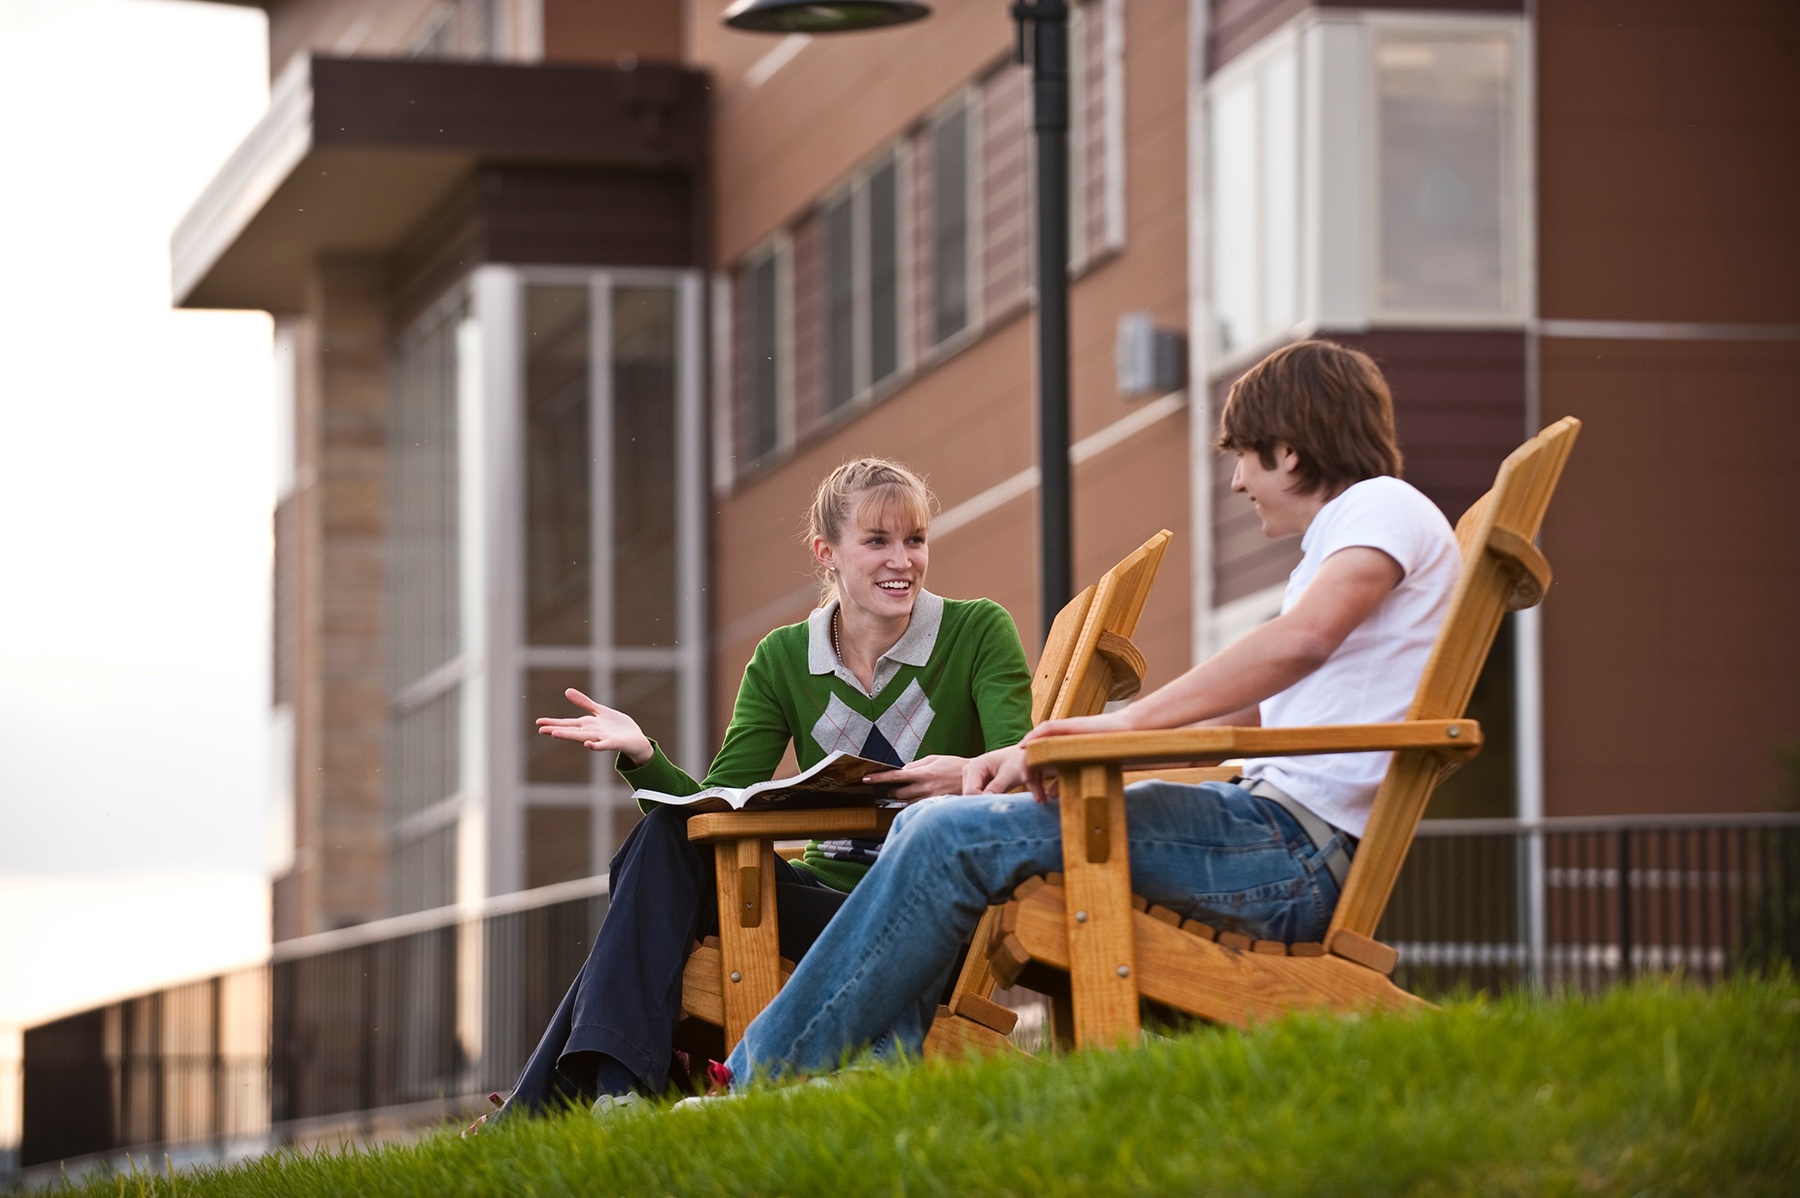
(955, 683)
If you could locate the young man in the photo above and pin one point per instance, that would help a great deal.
(1312, 426)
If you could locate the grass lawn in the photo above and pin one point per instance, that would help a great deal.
(1649, 1090)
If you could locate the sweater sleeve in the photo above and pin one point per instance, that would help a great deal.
(1000, 680)
(753, 746)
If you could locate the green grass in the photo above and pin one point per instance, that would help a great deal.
(1649, 1090)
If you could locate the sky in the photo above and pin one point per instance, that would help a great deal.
(136, 482)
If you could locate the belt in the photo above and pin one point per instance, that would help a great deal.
(1337, 856)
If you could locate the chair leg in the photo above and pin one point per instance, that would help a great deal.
(1097, 881)
(749, 935)
(1061, 1013)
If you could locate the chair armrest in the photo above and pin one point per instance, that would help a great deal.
(787, 825)
(1456, 737)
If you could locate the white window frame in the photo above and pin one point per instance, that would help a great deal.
(1337, 243)
(1516, 202)
(1248, 68)
(503, 656)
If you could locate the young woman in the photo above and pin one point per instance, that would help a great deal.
(883, 668)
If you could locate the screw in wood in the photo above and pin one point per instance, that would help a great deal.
(736, 976)
(1081, 917)
(1124, 971)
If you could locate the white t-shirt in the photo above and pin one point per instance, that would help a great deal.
(1371, 677)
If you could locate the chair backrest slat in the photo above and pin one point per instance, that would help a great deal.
(1091, 678)
(1494, 579)
(1059, 650)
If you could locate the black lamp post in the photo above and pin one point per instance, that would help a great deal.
(1044, 28)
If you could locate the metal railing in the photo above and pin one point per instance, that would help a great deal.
(410, 1020)
(1587, 903)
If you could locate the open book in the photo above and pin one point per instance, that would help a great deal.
(836, 781)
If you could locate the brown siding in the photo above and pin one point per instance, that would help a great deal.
(608, 30)
(1459, 406)
(1005, 194)
(1669, 143)
(1668, 163)
(1670, 633)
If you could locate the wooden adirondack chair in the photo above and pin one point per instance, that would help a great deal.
(1116, 949)
(1087, 660)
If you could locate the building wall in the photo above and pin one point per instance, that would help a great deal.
(966, 418)
(1670, 156)
(607, 30)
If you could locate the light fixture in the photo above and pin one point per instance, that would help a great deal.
(808, 16)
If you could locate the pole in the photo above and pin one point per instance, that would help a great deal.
(1048, 23)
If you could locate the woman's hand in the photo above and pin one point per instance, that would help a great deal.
(995, 773)
(928, 777)
(602, 729)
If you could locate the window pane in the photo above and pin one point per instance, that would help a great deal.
(884, 272)
(424, 871)
(423, 619)
(652, 698)
(950, 225)
(558, 845)
(1443, 110)
(546, 758)
(557, 515)
(764, 429)
(1234, 257)
(1281, 194)
(423, 767)
(840, 305)
(644, 471)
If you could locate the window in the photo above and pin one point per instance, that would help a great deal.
(862, 285)
(1445, 159)
(761, 407)
(1254, 167)
(425, 619)
(950, 256)
(1367, 170)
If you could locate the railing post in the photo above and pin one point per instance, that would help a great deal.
(1623, 855)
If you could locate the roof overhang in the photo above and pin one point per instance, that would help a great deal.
(355, 152)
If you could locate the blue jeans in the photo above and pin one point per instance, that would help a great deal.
(1212, 852)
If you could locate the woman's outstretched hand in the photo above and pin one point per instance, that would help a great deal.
(928, 777)
(601, 729)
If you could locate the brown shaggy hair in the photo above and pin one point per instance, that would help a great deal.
(1329, 403)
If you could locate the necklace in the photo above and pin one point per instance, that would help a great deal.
(835, 646)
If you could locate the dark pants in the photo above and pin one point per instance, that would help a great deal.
(627, 998)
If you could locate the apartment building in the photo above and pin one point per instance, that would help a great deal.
(575, 302)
